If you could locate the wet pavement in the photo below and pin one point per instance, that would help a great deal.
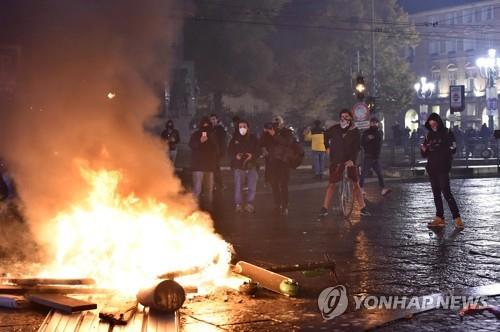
(389, 253)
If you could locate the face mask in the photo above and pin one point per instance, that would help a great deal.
(344, 124)
(243, 131)
(434, 129)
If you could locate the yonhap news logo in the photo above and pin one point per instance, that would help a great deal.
(333, 301)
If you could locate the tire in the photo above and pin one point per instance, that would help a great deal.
(347, 198)
(486, 153)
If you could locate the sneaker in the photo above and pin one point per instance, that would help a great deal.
(323, 212)
(436, 222)
(249, 208)
(458, 223)
(364, 212)
(385, 191)
(284, 211)
(363, 192)
(238, 208)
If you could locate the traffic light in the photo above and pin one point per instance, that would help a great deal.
(360, 88)
(370, 102)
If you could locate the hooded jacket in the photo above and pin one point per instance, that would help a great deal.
(244, 144)
(441, 146)
(344, 144)
(372, 142)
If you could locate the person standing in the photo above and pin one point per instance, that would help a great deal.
(244, 151)
(438, 147)
(316, 135)
(277, 141)
(342, 142)
(171, 137)
(371, 141)
(204, 153)
(220, 137)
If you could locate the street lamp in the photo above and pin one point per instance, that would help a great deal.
(424, 90)
(489, 68)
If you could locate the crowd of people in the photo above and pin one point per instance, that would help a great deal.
(277, 149)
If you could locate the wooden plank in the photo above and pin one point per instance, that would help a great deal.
(54, 318)
(51, 289)
(47, 281)
(62, 303)
(89, 322)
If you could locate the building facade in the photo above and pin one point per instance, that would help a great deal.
(451, 41)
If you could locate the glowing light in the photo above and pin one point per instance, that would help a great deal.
(111, 95)
(125, 242)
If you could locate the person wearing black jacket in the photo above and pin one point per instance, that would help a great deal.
(439, 147)
(171, 137)
(371, 141)
(220, 136)
(244, 151)
(277, 140)
(342, 143)
(204, 153)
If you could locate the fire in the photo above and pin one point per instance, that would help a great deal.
(125, 242)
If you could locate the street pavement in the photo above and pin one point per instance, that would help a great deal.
(389, 253)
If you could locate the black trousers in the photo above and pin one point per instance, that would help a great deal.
(279, 175)
(440, 183)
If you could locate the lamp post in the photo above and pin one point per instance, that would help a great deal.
(424, 91)
(489, 68)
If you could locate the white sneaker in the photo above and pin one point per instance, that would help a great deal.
(385, 191)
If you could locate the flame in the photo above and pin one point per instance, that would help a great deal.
(125, 242)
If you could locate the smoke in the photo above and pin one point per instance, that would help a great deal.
(73, 53)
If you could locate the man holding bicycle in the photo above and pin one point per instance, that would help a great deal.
(342, 143)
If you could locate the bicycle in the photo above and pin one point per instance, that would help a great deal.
(346, 195)
(344, 198)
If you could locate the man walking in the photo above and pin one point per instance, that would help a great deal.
(342, 142)
(244, 151)
(277, 141)
(316, 135)
(220, 137)
(371, 141)
(439, 147)
(204, 152)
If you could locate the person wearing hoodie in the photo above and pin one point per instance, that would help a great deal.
(244, 151)
(170, 136)
(438, 147)
(204, 160)
(371, 141)
(342, 143)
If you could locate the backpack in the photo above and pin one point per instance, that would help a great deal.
(294, 154)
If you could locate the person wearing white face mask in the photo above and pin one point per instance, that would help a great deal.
(343, 144)
(244, 151)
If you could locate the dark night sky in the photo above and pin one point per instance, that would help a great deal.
(414, 6)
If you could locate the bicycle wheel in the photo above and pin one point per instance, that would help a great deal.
(347, 198)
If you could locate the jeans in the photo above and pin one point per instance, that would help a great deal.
(370, 163)
(318, 162)
(251, 177)
(440, 183)
(279, 173)
(203, 182)
(172, 155)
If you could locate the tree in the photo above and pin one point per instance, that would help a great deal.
(231, 54)
(317, 64)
